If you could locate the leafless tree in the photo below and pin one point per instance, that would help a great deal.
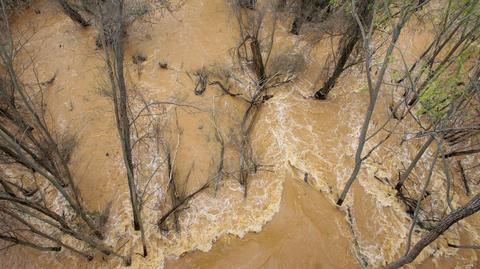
(373, 88)
(253, 32)
(38, 151)
(29, 146)
(255, 73)
(470, 208)
(449, 119)
(112, 21)
(179, 195)
(347, 43)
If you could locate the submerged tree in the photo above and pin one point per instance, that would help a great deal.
(38, 151)
(441, 91)
(451, 114)
(470, 208)
(347, 43)
(28, 145)
(254, 74)
(373, 87)
(112, 20)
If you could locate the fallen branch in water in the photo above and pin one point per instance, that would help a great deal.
(465, 246)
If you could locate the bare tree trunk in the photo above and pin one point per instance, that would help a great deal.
(73, 14)
(124, 131)
(36, 207)
(421, 197)
(299, 19)
(79, 235)
(464, 247)
(469, 209)
(257, 60)
(50, 171)
(120, 99)
(73, 203)
(346, 46)
(414, 162)
(373, 90)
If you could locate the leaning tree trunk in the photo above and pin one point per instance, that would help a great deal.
(30, 228)
(470, 208)
(373, 90)
(114, 61)
(412, 165)
(346, 46)
(124, 130)
(73, 14)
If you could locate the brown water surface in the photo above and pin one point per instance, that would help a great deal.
(284, 222)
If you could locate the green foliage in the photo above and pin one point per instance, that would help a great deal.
(447, 86)
(334, 3)
(396, 75)
(436, 98)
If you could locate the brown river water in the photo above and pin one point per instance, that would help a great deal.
(284, 222)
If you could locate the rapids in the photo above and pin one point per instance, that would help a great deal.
(289, 218)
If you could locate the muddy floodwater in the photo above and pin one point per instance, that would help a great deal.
(304, 148)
